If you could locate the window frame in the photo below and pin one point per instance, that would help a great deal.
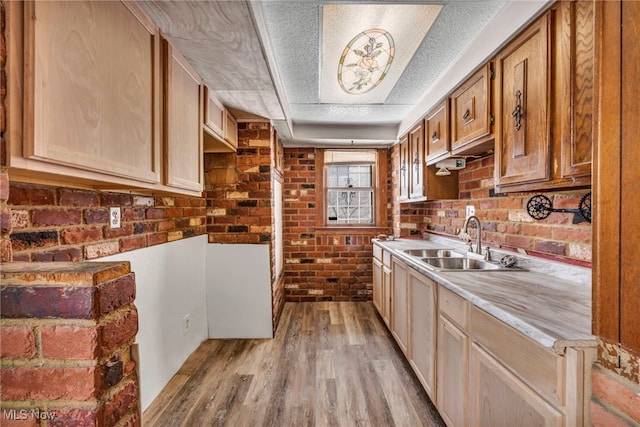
(379, 185)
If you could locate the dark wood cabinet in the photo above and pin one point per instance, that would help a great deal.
(522, 108)
(471, 127)
(416, 147)
(437, 142)
(616, 271)
(404, 168)
(544, 102)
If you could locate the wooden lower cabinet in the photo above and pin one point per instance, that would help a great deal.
(453, 358)
(399, 305)
(378, 290)
(500, 398)
(422, 329)
(386, 290)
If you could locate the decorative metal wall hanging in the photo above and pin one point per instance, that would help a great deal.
(540, 207)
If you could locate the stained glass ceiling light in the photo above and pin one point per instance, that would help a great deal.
(366, 47)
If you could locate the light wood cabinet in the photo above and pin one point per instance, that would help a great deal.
(471, 126)
(378, 290)
(501, 399)
(437, 142)
(423, 318)
(453, 359)
(220, 127)
(382, 282)
(400, 305)
(545, 107)
(86, 91)
(183, 122)
(386, 292)
(91, 93)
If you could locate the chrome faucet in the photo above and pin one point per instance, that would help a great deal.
(464, 235)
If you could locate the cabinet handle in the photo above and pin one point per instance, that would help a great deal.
(466, 114)
(517, 112)
(434, 136)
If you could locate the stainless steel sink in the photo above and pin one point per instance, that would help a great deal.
(433, 253)
(464, 264)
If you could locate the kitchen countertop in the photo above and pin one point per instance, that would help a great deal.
(553, 311)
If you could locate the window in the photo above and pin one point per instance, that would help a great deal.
(351, 188)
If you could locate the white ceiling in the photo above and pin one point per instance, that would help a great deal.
(263, 58)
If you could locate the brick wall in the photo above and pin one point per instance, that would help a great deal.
(66, 224)
(505, 221)
(320, 264)
(239, 196)
(67, 331)
(615, 400)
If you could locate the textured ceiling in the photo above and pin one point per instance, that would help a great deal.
(263, 58)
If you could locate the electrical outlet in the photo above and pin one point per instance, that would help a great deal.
(186, 324)
(114, 217)
(471, 210)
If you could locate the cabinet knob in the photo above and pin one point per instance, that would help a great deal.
(466, 114)
(434, 136)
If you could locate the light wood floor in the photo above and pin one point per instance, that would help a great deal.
(330, 364)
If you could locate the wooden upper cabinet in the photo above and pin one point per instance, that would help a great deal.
(183, 122)
(576, 107)
(416, 147)
(471, 127)
(437, 142)
(545, 107)
(522, 107)
(91, 90)
(404, 168)
(220, 127)
(214, 115)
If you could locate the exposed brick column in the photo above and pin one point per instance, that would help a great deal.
(66, 333)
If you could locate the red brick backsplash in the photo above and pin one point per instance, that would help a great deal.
(65, 224)
(67, 330)
(505, 221)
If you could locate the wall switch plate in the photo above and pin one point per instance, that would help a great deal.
(114, 217)
(471, 210)
(186, 324)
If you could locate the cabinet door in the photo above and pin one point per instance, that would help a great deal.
(470, 110)
(378, 290)
(214, 115)
(399, 311)
(522, 108)
(386, 292)
(499, 398)
(576, 80)
(422, 324)
(404, 168)
(416, 154)
(231, 130)
(183, 122)
(436, 140)
(453, 374)
(92, 88)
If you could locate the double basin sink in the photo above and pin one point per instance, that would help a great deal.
(447, 260)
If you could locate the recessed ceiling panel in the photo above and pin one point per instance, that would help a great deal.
(366, 47)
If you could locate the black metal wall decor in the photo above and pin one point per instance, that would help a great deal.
(540, 207)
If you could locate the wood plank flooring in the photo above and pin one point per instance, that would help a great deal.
(330, 364)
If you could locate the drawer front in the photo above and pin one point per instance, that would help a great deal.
(386, 258)
(542, 369)
(377, 252)
(454, 307)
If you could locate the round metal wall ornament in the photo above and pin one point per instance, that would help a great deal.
(365, 61)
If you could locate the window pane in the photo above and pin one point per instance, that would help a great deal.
(349, 207)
